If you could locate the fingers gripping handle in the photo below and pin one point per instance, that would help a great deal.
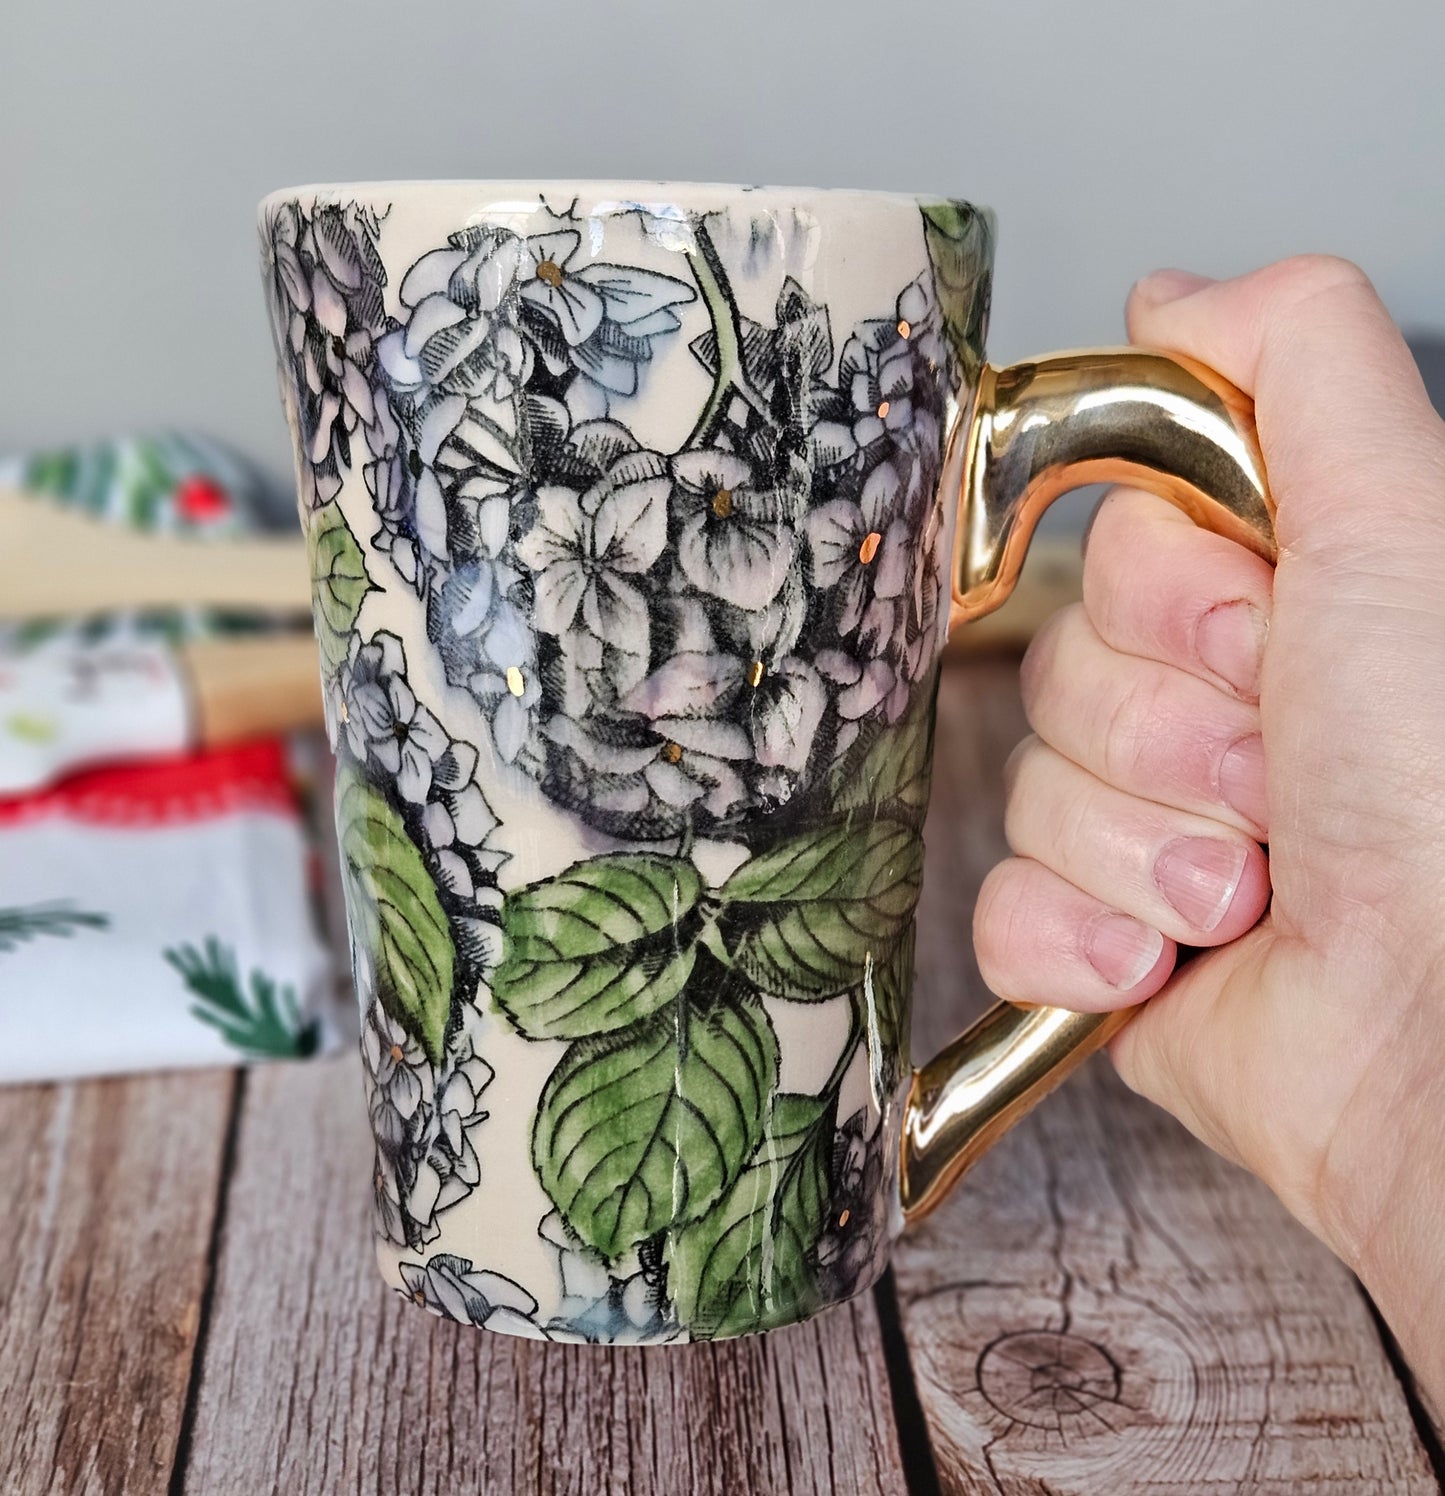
(1036, 430)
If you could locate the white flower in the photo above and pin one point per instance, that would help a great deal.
(325, 289)
(876, 371)
(586, 549)
(386, 1199)
(617, 1305)
(866, 550)
(718, 702)
(387, 726)
(604, 316)
(459, 1109)
(734, 542)
(461, 335)
(452, 1288)
(400, 1071)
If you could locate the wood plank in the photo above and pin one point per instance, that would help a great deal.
(1105, 1305)
(317, 1378)
(110, 1190)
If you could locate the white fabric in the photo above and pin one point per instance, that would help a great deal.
(66, 703)
(216, 866)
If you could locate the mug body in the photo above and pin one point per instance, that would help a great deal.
(630, 510)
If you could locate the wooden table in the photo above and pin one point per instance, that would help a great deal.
(189, 1302)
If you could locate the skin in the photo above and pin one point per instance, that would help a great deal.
(1307, 1043)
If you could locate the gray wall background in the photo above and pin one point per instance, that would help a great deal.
(1111, 136)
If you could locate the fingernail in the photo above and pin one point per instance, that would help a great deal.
(1198, 875)
(1164, 286)
(1241, 779)
(1230, 641)
(1122, 950)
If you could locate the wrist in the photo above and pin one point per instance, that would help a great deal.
(1385, 1188)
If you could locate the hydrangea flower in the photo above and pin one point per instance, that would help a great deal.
(733, 541)
(452, 1155)
(598, 318)
(325, 282)
(588, 550)
(720, 701)
(386, 1192)
(451, 1288)
(386, 725)
(624, 1303)
(864, 548)
(406, 491)
(401, 1075)
(461, 336)
(849, 1249)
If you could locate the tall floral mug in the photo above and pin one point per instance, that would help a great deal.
(635, 524)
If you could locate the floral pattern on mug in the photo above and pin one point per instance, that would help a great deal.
(732, 643)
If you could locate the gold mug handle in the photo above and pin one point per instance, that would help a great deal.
(1034, 431)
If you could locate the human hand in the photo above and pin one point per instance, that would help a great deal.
(1196, 704)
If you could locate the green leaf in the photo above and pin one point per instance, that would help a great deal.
(338, 582)
(395, 913)
(18, 925)
(268, 1025)
(888, 1005)
(892, 775)
(645, 1129)
(960, 245)
(744, 1265)
(804, 919)
(606, 943)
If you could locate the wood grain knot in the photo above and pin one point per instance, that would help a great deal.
(1046, 1379)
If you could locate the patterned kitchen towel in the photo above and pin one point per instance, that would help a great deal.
(161, 915)
(173, 482)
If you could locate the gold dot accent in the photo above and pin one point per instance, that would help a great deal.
(515, 683)
(722, 503)
(843, 1219)
(672, 752)
(755, 673)
(396, 1055)
(418, 1297)
(871, 541)
(343, 712)
(551, 272)
(882, 410)
(904, 329)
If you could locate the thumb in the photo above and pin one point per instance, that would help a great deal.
(1222, 1047)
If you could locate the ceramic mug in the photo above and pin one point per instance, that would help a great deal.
(635, 526)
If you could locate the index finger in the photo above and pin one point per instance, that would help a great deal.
(1336, 391)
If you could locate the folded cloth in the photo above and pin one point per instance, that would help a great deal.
(67, 701)
(161, 915)
(173, 482)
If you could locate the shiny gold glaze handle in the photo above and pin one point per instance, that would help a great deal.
(1035, 431)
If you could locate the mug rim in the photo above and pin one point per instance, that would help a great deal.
(619, 192)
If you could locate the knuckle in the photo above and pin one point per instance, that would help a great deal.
(1129, 723)
(1018, 764)
(1041, 658)
(997, 919)
(1303, 276)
